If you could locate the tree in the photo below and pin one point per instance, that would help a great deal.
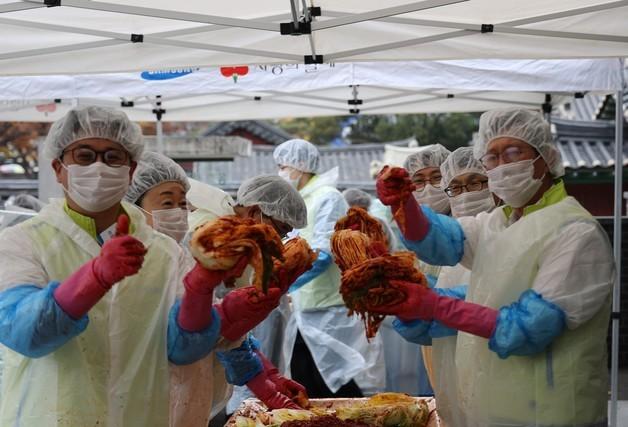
(317, 130)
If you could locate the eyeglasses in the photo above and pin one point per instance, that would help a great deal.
(509, 155)
(434, 181)
(85, 156)
(456, 190)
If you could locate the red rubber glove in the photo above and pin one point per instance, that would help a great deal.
(121, 256)
(425, 304)
(195, 311)
(394, 189)
(286, 386)
(243, 309)
(266, 391)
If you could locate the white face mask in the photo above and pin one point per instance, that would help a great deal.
(285, 174)
(171, 222)
(433, 197)
(472, 203)
(514, 182)
(97, 187)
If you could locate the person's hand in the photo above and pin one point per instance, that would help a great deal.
(200, 280)
(420, 302)
(266, 391)
(243, 309)
(393, 186)
(284, 385)
(121, 256)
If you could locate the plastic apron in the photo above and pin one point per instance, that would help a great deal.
(115, 373)
(444, 380)
(336, 341)
(426, 351)
(564, 386)
(200, 390)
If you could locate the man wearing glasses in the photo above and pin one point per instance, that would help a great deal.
(87, 292)
(532, 344)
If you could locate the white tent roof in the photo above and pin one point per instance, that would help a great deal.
(262, 92)
(84, 36)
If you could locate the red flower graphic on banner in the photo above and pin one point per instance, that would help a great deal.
(235, 72)
(47, 108)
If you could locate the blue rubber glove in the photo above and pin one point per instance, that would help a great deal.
(241, 364)
(32, 323)
(527, 326)
(186, 347)
(320, 265)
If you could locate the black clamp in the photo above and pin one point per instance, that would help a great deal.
(616, 315)
(487, 28)
(137, 38)
(257, 98)
(52, 3)
(450, 95)
(290, 29)
(354, 111)
(355, 101)
(126, 104)
(57, 101)
(315, 11)
(309, 59)
(578, 95)
(547, 105)
(159, 112)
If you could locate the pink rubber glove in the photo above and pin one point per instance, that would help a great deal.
(286, 386)
(394, 189)
(195, 312)
(243, 309)
(425, 304)
(121, 256)
(266, 391)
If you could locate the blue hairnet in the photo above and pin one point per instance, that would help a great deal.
(152, 170)
(94, 122)
(298, 154)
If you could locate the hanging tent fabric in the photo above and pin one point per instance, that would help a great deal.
(264, 92)
(84, 36)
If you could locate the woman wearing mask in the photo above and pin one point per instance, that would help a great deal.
(531, 350)
(159, 189)
(464, 181)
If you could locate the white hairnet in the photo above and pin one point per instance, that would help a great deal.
(25, 201)
(525, 125)
(153, 169)
(357, 197)
(275, 197)
(430, 157)
(94, 122)
(459, 162)
(298, 154)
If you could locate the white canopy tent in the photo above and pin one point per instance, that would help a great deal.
(85, 36)
(264, 92)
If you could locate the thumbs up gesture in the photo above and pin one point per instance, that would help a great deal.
(120, 257)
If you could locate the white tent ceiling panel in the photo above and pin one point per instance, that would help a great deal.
(77, 36)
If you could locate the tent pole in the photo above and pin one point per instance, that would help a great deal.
(619, 162)
(159, 129)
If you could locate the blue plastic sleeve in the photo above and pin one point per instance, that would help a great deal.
(241, 364)
(526, 327)
(431, 280)
(444, 242)
(187, 347)
(32, 323)
(458, 292)
(416, 331)
(320, 265)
